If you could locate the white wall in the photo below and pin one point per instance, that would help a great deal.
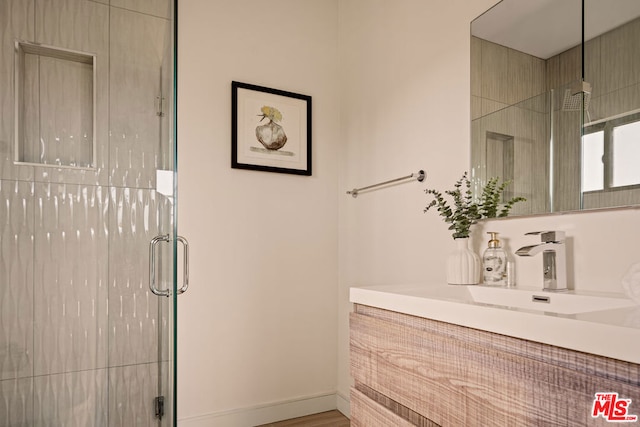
(405, 79)
(392, 99)
(258, 326)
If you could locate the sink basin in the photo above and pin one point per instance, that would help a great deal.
(598, 323)
(550, 302)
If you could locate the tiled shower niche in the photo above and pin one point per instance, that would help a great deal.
(55, 106)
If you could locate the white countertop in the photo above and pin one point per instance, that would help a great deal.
(613, 332)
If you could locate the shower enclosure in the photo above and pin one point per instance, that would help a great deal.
(88, 244)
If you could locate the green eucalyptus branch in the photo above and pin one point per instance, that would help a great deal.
(490, 199)
(507, 207)
(464, 211)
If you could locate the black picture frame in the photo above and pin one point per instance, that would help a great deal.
(270, 130)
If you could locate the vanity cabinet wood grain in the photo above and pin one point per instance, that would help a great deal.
(410, 370)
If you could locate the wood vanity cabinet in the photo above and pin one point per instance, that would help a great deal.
(410, 370)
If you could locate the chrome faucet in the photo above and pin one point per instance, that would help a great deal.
(554, 259)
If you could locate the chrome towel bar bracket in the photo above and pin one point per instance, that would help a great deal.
(420, 175)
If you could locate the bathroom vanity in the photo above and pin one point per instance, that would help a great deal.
(477, 356)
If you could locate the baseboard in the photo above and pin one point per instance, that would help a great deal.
(343, 404)
(268, 413)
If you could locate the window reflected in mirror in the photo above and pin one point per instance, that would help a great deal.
(610, 158)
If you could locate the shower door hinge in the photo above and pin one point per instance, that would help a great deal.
(158, 403)
(160, 106)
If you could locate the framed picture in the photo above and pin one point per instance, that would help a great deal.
(271, 130)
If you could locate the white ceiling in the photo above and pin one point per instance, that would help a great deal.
(544, 28)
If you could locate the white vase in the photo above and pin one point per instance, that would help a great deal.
(463, 265)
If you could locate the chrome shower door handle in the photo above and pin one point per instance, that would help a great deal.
(152, 265)
(185, 265)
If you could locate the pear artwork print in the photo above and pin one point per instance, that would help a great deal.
(271, 134)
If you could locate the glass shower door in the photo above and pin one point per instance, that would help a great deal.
(87, 170)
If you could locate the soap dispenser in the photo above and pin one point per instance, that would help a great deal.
(494, 262)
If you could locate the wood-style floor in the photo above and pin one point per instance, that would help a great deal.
(324, 419)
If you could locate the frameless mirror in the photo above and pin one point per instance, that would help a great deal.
(555, 102)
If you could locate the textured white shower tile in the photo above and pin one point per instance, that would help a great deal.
(137, 55)
(166, 158)
(16, 403)
(16, 22)
(137, 216)
(73, 24)
(71, 246)
(76, 399)
(66, 106)
(132, 390)
(56, 109)
(16, 279)
(161, 8)
(29, 121)
(83, 26)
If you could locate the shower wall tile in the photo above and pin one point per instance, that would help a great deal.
(66, 110)
(137, 69)
(160, 8)
(83, 26)
(16, 403)
(495, 72)
(476, 63)
(76, 399)
(610, 198)
(476, 107)
(617, 86)
(567, 177)
(16, 22)
(527, 127)
(593, 66)
(166, 156)
(613, 69)
(29, 126)
(505, 75)
(526, 76)
(132, 390)
(70, 304)
(489, 106)
(617, 102)
(570, 65)
(620, 56)
(16, 279)
(74, 24)
(564, 68)
(137, 216)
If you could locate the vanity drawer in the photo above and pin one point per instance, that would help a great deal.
(366, 412)
(457, 376)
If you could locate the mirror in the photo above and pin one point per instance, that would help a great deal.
(555, 102)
